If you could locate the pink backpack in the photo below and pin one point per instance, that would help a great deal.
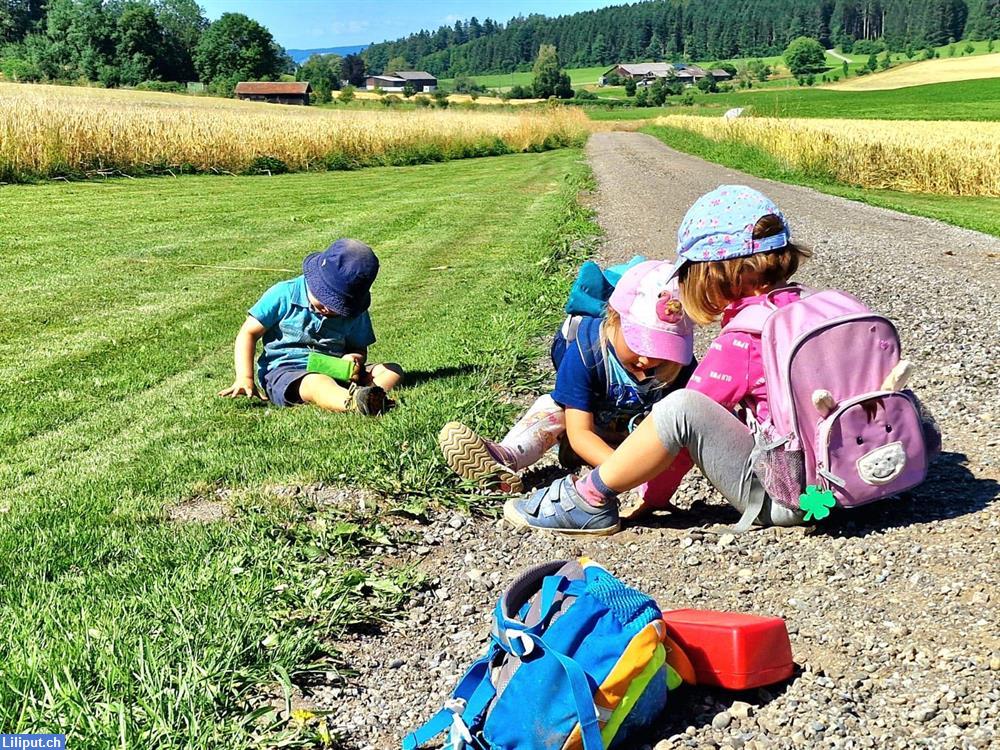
(841, 431)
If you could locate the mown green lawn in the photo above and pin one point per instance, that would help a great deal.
(979, 213)
(957, 100)
(126, 629)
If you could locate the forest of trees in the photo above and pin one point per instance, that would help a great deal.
(132, 42)
(686, 29)
(152, 42)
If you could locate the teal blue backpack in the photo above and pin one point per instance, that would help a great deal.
(577, 660)
(587, 298)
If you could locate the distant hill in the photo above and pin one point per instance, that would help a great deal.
(301, 55)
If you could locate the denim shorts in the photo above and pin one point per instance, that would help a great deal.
(281, 385)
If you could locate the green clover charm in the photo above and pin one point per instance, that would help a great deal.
(816, 503)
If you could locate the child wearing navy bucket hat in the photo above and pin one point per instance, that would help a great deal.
(323, 313)
(734, 250)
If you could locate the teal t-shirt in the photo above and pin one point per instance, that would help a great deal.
(293, 328)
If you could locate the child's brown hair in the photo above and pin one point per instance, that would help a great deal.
(708, 287)
(665, 374)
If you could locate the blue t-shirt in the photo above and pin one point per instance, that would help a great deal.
(293, 328)
(603, 387)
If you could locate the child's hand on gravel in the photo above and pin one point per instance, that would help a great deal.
(635, 512)
(243, 387)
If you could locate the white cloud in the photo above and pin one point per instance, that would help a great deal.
(451, 18)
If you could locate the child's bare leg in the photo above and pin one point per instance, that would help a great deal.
(640, 458)
(324, 392)
(386, 375)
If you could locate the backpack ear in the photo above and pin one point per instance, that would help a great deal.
(823, 401)
(898, 376)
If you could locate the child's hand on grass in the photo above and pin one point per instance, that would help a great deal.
(243, 387)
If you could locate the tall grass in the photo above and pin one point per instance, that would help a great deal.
(49, 131)
(946, 158)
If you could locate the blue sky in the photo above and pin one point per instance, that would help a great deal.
(307, 24)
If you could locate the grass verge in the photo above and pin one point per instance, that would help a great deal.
(125, 628)
(981, 214)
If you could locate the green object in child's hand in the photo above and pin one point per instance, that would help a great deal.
(336, 367)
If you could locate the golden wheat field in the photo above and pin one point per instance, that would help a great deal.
(927, 71)
(951, 158)
(54, 130)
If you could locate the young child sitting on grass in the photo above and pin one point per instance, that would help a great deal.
(610, 371)
(324, 310)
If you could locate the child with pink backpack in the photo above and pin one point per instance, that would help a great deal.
(796, 407)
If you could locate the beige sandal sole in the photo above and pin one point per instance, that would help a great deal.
(467, 455)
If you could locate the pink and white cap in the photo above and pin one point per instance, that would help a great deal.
(653, 322)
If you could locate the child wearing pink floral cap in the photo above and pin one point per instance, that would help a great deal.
(734, 248)
(610, 371)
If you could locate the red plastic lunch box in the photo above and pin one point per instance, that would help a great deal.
(730, 649)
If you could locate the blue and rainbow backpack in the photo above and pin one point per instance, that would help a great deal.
(577, 660)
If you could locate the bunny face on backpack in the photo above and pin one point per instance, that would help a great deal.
(866, 443)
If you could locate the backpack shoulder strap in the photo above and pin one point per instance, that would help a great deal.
(749, 320)
(588, 352)
(468, 701)
(571, 327)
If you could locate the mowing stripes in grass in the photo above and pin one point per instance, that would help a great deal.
(128, 630)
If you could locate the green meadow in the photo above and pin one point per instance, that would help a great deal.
(127, 626)
(578, 76)
(957, 100)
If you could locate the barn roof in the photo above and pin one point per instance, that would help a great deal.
(690, 71)
(413, 75)
(645, 69)
(281, 88)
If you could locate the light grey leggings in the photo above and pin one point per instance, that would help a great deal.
(720, 445)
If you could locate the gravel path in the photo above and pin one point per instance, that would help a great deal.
(892, 609)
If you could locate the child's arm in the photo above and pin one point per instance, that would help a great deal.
(586, 443)
(243, 352)
(724, 372)
(360, 336)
